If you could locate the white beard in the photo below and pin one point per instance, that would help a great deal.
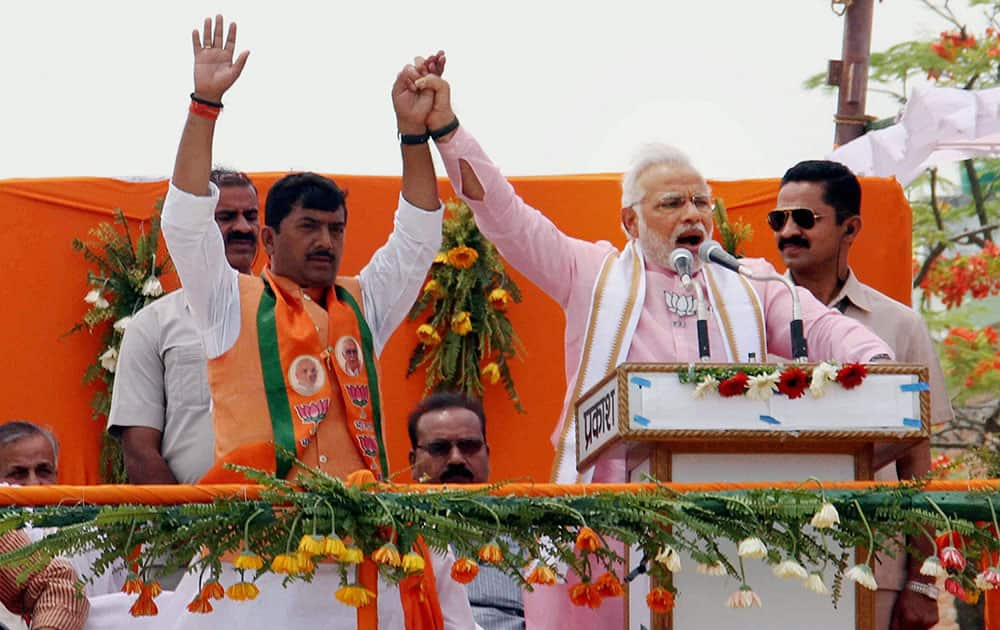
(658, 250)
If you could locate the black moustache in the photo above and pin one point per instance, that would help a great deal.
(237, 237)
(793, 240)
(327, 255)
(460, 471)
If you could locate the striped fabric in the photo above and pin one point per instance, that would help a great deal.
(49, 596)
(497, 603)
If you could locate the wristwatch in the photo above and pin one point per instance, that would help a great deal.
(925, 589)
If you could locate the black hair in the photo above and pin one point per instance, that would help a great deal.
(307, 190)
(841, 189)
(444, 400)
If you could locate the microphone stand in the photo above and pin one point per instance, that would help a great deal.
(702, 324)
(800, 352)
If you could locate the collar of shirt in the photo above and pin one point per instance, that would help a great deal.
(852, 293)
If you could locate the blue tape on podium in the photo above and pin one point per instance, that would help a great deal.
(641, 382)
(769, 420)
(915, 387)
(912, 422)
(640, 421)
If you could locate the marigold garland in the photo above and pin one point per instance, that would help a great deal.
(542, 574)
(491, 553)
(388, 555)
(585, 594)
(658, 520)
(466, 341)
(660, 600)
(464, 570)
(354, 595)
(242, 591)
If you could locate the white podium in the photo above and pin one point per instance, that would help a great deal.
(644, 414)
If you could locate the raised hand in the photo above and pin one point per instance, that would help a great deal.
(214, 68)
(412, 105)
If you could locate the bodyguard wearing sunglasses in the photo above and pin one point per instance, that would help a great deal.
(817, 221)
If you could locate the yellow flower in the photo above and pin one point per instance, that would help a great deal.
(242, 591)
(491, 373)
(303, 563)
(284, 563)
(333, 546)
(387, 554)
(461, 324)
(248, 560)
(433, 288)
(428, 335)
(311, 544)
(440, 259)
(352, 555)
(491, 553)
(354, 595)
(413, 562)
(462, 257)
(499, 298)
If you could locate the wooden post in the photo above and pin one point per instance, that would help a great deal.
(850, 74)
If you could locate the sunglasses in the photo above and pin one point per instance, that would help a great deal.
(803, 217)
(441, 448)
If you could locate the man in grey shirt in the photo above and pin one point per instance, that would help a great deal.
(160, 406)
(448, 445)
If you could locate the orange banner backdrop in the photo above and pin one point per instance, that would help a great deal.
(46, 281)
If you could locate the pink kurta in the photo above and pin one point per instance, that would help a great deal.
(567, 268)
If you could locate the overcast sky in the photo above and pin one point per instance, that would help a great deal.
(548, 86)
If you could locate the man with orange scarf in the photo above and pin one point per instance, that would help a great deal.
(282, 389)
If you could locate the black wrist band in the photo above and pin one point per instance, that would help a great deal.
(205, 101)
(444, 131)
(413, 138)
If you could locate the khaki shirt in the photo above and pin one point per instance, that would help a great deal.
(905, 332)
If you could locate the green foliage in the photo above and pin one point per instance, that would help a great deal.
(466, 337)
(527, 528)
(733, 234)
(124, 278)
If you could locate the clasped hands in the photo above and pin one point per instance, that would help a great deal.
(421, 98)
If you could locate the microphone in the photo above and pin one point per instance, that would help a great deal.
(638, 570)
(712, 252)
(682, 261)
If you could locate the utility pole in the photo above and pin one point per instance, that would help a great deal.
(850, 73)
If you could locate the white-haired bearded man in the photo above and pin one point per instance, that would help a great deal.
(666, 203)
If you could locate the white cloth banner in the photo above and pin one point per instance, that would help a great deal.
(938, 126)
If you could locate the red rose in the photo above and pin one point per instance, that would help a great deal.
(793, 382)
(851, 375)
(734, 386)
